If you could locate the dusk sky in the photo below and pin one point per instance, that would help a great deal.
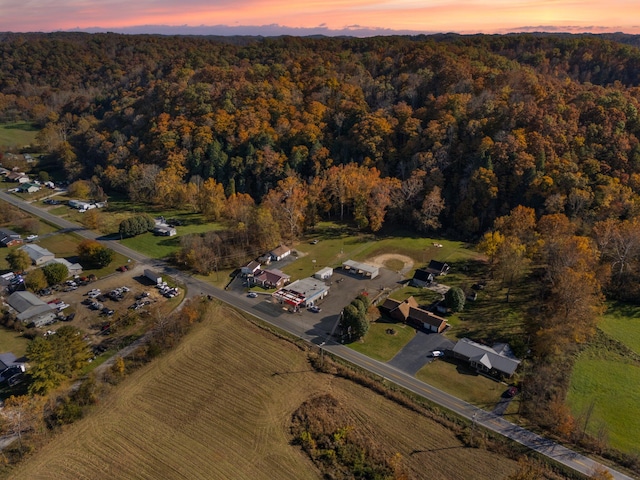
(361, 17)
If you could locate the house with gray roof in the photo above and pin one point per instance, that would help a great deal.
(497, 360)
(30, 309)
(9, 238)
(38, 255)
(73, 268)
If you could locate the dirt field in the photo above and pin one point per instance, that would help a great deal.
(389, 258)
(89, 320)
(219, 406)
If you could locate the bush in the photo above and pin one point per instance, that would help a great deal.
(454, 299)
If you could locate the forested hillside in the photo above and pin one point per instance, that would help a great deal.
(461, 129)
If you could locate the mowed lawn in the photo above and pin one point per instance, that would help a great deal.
(622, 322)
(613, 387)
(219, 406)
(384, 340)
(610, 381)
(17, 134)
(464, 383)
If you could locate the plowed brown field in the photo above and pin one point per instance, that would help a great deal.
(219, 407)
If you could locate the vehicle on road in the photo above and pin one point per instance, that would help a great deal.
(315, 309)
(252, 295)
(437, 353)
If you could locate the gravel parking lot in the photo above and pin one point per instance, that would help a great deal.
(89, 320)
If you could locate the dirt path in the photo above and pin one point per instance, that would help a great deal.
(380, 261)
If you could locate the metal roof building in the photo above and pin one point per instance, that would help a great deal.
(364, 269)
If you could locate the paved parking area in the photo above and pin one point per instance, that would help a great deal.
(415, 354)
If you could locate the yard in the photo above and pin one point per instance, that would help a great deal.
(12, 341)
(18, 134)
(384, 340)
(622, 322)
(465, 383)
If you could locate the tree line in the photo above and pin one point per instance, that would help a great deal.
(465, 128)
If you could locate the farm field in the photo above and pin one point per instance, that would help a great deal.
(219, 406)
(17, 134)
(622, 322)
(606, 383)
(603, 377)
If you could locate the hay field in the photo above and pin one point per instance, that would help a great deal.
(219, 407)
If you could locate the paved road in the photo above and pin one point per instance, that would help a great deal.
(320, 336)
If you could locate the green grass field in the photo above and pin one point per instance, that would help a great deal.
(12, 341)
(17, 134)
(622, 322)
(381, 345)
(160, 247)
(613, 386)
(464, 383)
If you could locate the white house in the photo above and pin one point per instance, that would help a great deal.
(280, 253)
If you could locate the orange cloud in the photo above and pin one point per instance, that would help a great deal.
(463, 16)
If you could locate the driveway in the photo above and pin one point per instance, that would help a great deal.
(415, 354)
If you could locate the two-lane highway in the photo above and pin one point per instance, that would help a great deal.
(290, 324)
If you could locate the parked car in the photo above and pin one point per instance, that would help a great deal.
(252, 295)
(314, 241)
(315, 309)
(31, 238)
(122, 268)
(437, 353)
(511, 392)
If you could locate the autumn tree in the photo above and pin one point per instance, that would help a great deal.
(36, 280)
(92, 252)
(18, 260)
(55, 273)
(55, 358)
(288, 203)
(427, 217)
(211, 199)
(23, 414)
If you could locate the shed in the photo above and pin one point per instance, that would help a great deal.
(152, 275)
(324, 274)
(79, 204)
(279, 253)
(363, 269)
(38, 255)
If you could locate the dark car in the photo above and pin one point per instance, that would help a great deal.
(123, 268)
(511, 392)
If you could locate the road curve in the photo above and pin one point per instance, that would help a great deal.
(488, 420)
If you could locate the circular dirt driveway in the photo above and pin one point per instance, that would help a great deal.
(392, 261)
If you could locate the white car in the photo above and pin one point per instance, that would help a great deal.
(31, 238)
(437, 353)
(252, 295)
